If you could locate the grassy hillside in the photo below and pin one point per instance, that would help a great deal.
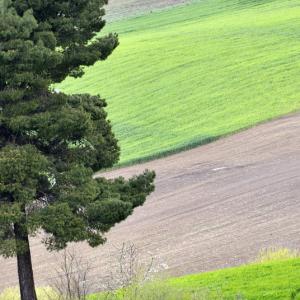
(276, 280)
(191, 74)
(273, 280)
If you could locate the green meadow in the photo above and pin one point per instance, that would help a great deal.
(191, 74)
(271, 280)
(276, 280)
(268, 281)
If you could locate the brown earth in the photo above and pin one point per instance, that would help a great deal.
(120, 9)
(214, 206)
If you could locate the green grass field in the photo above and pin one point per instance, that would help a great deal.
(191, 74)
(276, 280)
(269, 281)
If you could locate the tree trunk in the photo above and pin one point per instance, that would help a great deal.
(25, 272)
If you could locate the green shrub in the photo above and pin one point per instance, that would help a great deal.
(276, 254)
(158, 290)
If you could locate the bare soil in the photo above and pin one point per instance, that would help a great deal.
(214, 206)
(121, 9)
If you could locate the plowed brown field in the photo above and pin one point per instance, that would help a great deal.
(120, 9)
(214, 206)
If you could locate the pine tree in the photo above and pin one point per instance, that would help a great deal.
(52, 143)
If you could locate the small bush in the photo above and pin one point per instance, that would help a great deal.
(276, 254)
(158, 290)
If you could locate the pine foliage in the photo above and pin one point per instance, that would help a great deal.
(52, 143)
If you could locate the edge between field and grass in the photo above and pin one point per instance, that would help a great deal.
(273, 275)
(278, 279)
(193, 144)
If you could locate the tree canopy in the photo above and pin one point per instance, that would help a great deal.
(52, 143)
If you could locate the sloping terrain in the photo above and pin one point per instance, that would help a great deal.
(272, 280)
(214, 206)
(124, 9)
(275, 280)
(185, 76)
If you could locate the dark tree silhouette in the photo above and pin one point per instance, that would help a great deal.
(52, 143)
